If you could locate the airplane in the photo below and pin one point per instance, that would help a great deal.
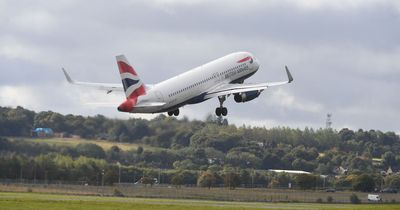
(219, 78)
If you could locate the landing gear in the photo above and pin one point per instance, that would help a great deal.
(221, 110)
(175, 112)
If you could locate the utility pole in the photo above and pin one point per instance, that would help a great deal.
(45, 177)
(20, 174)
(34, 174)
(316, 182)
(102, 182)
(119, 173)
(159, 176)
(252, 179)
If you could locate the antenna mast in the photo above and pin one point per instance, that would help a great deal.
(328, 121)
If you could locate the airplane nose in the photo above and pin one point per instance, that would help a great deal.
(256, 64)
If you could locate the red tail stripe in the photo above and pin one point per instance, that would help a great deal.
(138, 92)
(125, 68)
(127, 106)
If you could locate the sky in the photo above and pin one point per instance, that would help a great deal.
(344, 55)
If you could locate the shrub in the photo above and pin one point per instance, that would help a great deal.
(319, 200)
(354, 199)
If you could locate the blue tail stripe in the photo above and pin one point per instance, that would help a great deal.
(128, 82)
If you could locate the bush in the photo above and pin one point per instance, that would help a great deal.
(354, 199)
(319, 200)
(329, 199)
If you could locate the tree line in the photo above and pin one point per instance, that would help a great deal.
(206, 150)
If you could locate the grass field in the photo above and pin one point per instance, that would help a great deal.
(37, 201)
(197, 193)
(74, 141)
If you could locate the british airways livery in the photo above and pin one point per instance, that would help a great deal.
(219, 78)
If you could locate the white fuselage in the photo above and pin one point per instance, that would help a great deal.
(191, 86)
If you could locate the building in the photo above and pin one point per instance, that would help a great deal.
(42, 132)
(289, 171)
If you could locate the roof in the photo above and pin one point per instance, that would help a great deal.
(45, 130)
(289, 171)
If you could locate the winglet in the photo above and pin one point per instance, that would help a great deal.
(290, 78)
(67, 76)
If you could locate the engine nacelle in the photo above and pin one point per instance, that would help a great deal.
(246, 96)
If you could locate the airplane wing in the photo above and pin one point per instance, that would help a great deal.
(228, 89)
(100, 86)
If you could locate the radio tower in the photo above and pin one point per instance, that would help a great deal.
(328, 121)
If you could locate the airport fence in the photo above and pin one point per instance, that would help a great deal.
(167, 191)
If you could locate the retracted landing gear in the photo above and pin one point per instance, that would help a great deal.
(174, 112)
(221, 110)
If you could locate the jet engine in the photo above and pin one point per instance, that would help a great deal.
(246, 96)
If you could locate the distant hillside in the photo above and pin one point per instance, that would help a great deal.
(169, 143)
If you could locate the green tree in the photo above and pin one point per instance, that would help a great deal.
(177, 180)
(111, 176)
(280, 180)
(395, 182)
(139, 150)
(4, 144)
(354, 199)
(389, 159)
(114, 153)
(231, 180)
(364, 183)
(16, 122)
(90, 150)
(306, 181)
(300, 164)
(45, 166)
(206, 179)
(184, 165)
(243, 159)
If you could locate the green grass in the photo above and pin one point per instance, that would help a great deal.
(75, 141)
(36, 201)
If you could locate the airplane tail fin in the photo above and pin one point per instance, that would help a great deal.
(133, 86)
